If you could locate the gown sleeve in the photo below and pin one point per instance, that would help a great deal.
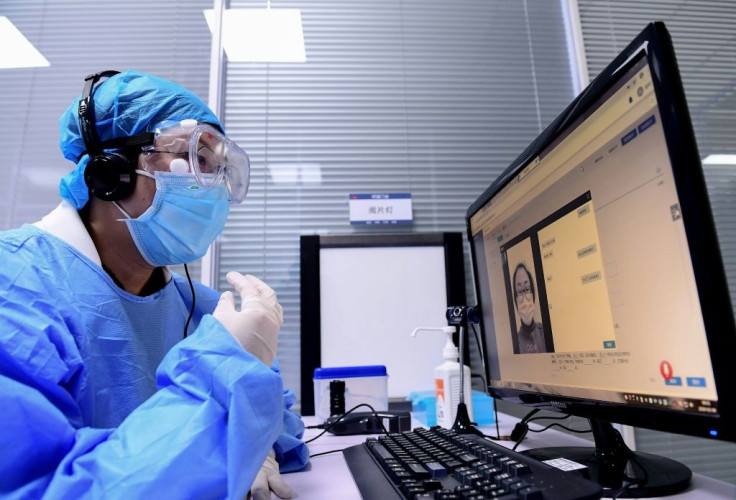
(204, 434)
(291, 452)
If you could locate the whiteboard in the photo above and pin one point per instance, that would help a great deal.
(371, 300)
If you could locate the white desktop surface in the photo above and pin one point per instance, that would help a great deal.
(328, 476)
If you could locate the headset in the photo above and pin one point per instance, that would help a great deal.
(110, 176)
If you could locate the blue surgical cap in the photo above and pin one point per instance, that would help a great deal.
(125, 104)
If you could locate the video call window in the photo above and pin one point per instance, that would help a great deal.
(530, 331)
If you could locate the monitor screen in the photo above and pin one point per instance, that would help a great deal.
(596, 264)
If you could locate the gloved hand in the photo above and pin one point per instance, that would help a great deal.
(256, 325)
(269, 479)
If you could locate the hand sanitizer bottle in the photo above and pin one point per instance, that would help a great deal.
(447, 381)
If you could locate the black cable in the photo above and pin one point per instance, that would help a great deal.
(327, 428)
(562, 426)
(191, 309)
(632, 482)
(522, 428)
(555, 425)
(624, 488)
(498, 436)
(546, 418)
(480, 348)
(325, 453)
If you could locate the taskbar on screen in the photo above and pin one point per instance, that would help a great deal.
(670, 403)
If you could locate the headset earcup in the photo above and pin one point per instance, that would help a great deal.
(110, 176)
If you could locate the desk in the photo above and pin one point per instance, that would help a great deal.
(328, 476)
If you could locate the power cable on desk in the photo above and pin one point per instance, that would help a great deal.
(327, 427)
(522, 428)
(325, 453)
(632, 481)
(584, 431)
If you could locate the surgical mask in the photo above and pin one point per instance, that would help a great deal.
(526, 310)
(188, 147)
(182, 221)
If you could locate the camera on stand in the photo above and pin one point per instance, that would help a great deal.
(462, 315)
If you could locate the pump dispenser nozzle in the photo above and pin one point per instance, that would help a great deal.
(449, 352)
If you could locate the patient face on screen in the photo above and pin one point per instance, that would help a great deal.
(530, 332)
(524, 294)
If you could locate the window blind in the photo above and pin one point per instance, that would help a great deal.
(702, 33)
(429, 97)
(167, 38)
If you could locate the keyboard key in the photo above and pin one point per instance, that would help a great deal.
(491, 456)
(451, 464)
(447, 496)
(431, 485)
(461, 473)
(417, 471)
(435, 469)
(401, 475)
(381, 452)
(467, 458)
(472, 479)
(506, 483)
(518, 470)
(487, 489)
(413, 491)
(492, 473)
(508, 465)
(500, 478)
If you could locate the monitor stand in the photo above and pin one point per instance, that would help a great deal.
(617, 468)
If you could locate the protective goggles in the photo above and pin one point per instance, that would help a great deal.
(188, 147)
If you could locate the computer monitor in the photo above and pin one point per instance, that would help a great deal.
(598, 274)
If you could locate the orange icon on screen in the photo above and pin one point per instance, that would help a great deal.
(665, 368)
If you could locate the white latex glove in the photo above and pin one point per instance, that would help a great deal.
(256, 325)
(269, 479)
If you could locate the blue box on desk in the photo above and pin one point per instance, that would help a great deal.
(424, 408)
(363, 385)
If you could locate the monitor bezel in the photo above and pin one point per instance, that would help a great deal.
(700, 230)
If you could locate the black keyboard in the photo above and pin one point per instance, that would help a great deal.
(440, 464)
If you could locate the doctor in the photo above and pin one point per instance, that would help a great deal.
(118, 377)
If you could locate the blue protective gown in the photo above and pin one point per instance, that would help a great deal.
(100, 397)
